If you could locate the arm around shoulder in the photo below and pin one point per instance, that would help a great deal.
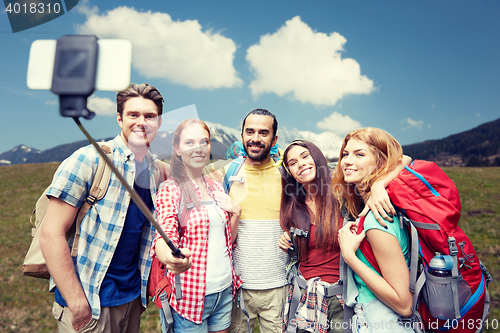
(379, 202)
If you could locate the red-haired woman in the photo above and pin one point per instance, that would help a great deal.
(366, 156)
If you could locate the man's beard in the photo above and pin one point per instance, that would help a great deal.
(260, 156)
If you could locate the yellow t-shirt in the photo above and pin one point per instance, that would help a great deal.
(257, 256)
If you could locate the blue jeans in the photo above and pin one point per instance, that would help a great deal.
(375, 316)
(216, 315)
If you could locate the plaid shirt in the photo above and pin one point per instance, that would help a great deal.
(312, 312)
(102, 226)
(195, 238)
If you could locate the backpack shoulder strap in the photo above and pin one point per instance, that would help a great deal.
(366, 249)
(181, 210)
(183, 213)
(278, 162)
(343, 278)
(232, 171)
(98, 189)
(416, 284)
(276, 157)
(182, 217)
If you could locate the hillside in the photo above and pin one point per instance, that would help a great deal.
(479, 146)
(25, 303)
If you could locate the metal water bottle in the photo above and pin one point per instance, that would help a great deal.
(437, 266)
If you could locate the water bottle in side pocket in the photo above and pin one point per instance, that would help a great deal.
(438, 293)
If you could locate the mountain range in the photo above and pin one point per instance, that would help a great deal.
(479, 146)
(222, 137)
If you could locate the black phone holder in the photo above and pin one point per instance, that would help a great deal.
(75, 70)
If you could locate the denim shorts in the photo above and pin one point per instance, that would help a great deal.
(216, 314)
(375, 316)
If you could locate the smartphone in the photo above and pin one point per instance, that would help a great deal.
(114, 64)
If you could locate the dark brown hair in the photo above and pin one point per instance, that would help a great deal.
(262, 112)
(294, 211)
(143, 90)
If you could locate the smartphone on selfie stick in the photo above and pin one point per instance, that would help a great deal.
(72, 67)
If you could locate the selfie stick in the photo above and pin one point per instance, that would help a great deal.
(137, 199)
(74, 80)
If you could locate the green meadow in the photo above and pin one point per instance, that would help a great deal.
(25, 303)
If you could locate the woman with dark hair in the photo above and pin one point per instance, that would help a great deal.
(310, 212)
(367, 155)
(204, 232)
(308, 206)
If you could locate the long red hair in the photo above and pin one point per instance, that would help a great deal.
(387, 151)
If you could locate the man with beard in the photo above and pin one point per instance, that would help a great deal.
(256, 256)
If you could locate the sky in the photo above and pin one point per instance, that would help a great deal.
(420, 70)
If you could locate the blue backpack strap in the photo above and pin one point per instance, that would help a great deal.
(232, 171)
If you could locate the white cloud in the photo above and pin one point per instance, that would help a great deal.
(307, 64)
(51, 102)
(413, 124)
(179, 51)
(85, 9)
(102, 106)
(338, 124)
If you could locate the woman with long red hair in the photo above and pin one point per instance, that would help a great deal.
(366, 156)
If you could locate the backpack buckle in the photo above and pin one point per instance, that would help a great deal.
(91, 199)
(452, 243)
(298, 232)
(236, 179)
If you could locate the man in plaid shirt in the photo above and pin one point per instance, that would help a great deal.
(103, 289)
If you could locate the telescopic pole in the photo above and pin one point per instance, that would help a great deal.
(137, 199)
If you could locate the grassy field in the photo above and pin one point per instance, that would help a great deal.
(25, 303)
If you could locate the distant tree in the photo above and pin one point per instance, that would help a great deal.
(475, 161)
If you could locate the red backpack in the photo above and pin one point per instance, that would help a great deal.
(428, 204)
(158, 283)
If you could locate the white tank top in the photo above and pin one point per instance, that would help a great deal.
(219, 275)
